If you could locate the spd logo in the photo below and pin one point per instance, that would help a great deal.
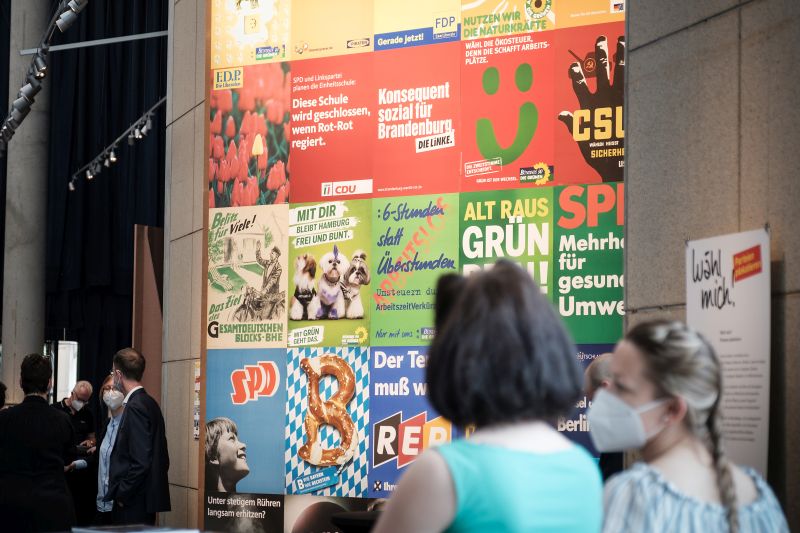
(394, 438)
(253, 381)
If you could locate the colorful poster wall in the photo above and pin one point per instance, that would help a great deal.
(354, 156)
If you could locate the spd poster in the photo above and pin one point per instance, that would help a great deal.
(588, 257)
(415, 240)
(247, 276)
(327, 421)
(331, 273)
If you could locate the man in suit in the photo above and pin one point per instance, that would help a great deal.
(137, 478)
(36, 442)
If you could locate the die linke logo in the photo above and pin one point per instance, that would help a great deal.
(404, 440)
(254, 381)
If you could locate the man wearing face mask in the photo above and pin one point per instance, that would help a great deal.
(81, 482)
(598, 376)
(139, 461)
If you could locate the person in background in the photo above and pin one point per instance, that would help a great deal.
(597, 376)
(99, 459)
(502, 361)
(2, 395)
(36, 441)
(82, 483)
(137, 472)
(664, 400)
(226, 458)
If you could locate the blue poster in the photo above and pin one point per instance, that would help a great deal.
(327, 421)
(575, 426)
(403, 422)
(245, 402)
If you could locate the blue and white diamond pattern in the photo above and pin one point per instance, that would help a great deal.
(353, 478)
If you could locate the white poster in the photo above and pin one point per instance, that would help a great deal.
(728, 301)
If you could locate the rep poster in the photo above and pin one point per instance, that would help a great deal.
(728, 301)
(247, 276)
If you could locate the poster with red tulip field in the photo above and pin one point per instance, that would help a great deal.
(355, 154)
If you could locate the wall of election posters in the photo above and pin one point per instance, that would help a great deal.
(356, 153)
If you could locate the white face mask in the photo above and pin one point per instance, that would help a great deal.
(77, 404)
(113, 399)
(615, 426)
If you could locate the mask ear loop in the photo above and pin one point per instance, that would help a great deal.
(652, 405)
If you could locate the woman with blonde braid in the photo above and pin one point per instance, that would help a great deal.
(664, 401)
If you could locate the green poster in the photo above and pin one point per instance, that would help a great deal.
(514, 224)
(588, 260)
(329, 244)
(414, 241)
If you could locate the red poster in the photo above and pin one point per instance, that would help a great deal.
(507, 112)
(589, 79)
(332, 125)
(418, 135)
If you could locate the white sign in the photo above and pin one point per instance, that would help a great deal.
(728, 301)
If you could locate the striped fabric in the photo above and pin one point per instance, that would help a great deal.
(640, 499)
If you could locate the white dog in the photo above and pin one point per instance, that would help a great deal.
(329, 302)
(354, 277)
(305, 269)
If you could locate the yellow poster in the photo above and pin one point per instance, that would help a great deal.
(322, 28)
(416, 22)
(246, 32)
(491, 18)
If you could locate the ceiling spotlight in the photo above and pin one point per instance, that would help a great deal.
(89, 174)
(137, 133)
(107, 163)
(131, 139)
(72, 185)
(77, 5)
(31, 89)
(66, 20)
(112, 156)
(21, 103)
(18, 115)
(40, 65)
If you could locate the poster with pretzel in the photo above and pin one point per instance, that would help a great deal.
(247, 276)
(327, 421)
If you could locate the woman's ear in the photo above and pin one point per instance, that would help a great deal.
(676, 409)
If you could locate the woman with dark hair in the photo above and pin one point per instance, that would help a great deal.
(501, 361)
(664, 400)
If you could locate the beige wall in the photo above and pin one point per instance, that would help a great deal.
(713, 123)
(183, 249)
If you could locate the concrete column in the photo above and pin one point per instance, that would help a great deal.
(26, 202)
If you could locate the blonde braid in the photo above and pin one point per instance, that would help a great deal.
(727, 490)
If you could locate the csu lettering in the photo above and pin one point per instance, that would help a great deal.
(254, 381)
(602, 124)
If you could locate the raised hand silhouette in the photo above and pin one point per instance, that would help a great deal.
(598, 129)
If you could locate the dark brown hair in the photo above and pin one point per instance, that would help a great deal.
(35, 373)
(500, 353)
(130, 363)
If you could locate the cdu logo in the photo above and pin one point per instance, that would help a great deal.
(253, 381)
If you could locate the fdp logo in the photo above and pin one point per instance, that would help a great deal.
(254, 381)
(394, 438)
(229, 78)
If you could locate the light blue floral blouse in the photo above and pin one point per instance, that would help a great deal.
(640, 499)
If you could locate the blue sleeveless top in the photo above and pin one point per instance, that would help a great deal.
(504, 490)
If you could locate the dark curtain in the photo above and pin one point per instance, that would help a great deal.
(96, 94)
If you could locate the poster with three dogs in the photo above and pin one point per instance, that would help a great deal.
(330, 263)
